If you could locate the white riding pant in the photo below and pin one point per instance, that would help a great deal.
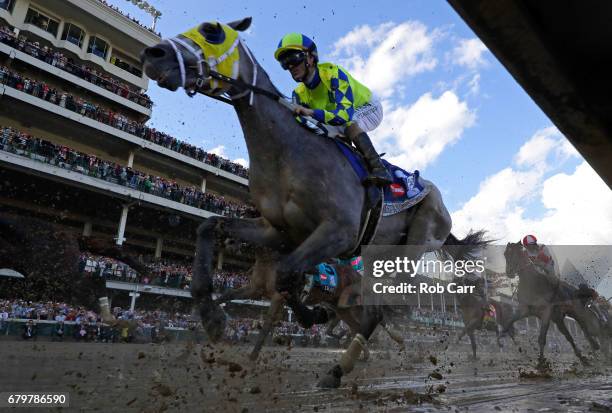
(369, 116)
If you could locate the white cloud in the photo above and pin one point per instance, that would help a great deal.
(577, 206)
(242, 161)
(535, 151)
(469, 53)
(381, 56)
(414, 136)
(218, 150)
(474, 85)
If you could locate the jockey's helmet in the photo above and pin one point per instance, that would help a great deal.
(530, 240)
(295, 42)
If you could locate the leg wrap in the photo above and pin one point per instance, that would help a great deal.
(347, 361)
(107, 317)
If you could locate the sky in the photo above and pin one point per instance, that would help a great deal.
(451, 110)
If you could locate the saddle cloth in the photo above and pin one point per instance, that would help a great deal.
(406, 190)
(490, 314)
(325, 277)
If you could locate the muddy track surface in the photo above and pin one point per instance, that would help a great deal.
(197, 378)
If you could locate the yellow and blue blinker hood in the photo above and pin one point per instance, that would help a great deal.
(222, 56)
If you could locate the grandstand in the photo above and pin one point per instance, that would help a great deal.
(75, 147)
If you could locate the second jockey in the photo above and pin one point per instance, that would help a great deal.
(539, 255)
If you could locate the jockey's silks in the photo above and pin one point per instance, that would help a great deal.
(223, 57)
(333, 94)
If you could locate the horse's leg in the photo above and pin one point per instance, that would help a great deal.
(545, 317)
(568, 336)
(331, 325)
(276, 302)
(370, 318)
(242, 293)
(523, 311)
(497, 337)
(394, 334)
(254, 231)
(461, 334)
(470, 334)
(329, 239)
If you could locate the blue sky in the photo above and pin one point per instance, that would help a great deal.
(451, 110)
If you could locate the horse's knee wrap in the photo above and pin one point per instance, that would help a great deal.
(105, 310)
(347, 361)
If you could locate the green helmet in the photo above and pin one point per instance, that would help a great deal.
(296, 41)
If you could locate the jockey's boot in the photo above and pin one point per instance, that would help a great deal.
(379, 175)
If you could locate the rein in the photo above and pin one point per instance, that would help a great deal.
(206, 73)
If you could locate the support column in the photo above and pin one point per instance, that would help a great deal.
(87, 229)
(290, 315)
(418, 299)
(122, 222)
(431, 301)
(60, 30)
(203, 188)
(220, 260)
(455, 303)
(130, 162)
(158, 247)
(134, 296)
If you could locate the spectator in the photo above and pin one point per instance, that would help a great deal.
(116, 120)
(63, 157)
(57, 59)
(80, 333)
(59, 331)
(29, 330)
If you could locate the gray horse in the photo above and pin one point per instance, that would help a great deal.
(310, 199)
(550, 299)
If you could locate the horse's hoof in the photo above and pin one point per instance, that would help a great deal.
(332, 379)
(329, 381)
(215, 324)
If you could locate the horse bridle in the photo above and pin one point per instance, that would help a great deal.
(206, 73)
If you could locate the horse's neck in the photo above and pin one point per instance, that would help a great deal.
(264, 123)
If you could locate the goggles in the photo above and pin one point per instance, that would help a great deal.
(289, 60)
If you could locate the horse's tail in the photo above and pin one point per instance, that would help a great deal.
(466, 248)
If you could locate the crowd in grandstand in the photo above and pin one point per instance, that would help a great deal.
(109, 117)
(238, 329)
(85, 72)
(161, 273)
(135, 20)
(21, 143)
(429, 316)
(88, 325)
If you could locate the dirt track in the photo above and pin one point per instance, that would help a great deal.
(175, 377)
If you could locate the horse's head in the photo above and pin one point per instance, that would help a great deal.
(187, 59)
(514, 259)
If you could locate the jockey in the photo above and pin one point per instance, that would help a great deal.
(539, 255)
(329, 94)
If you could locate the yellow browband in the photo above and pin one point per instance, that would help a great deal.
(223, 57)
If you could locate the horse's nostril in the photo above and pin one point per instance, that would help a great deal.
(154, 52)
